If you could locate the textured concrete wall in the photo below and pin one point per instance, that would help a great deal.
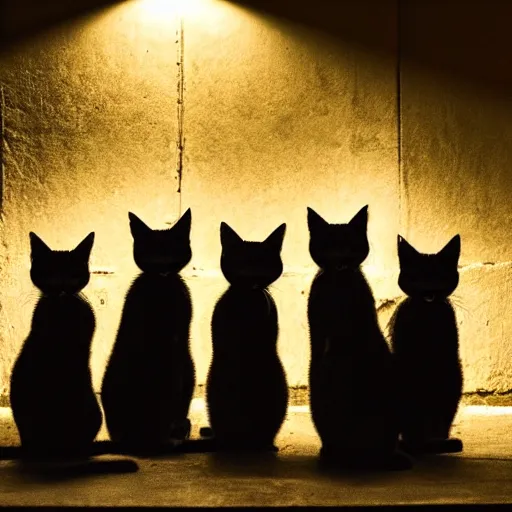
(89, 133)
(279, 117)
(456, 78)
(275, 112)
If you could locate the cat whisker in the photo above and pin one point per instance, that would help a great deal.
(459, 308)
(459, 305)
(267, 298)
(458, 301)
(30, 299)
(273, 287)
(386, 304)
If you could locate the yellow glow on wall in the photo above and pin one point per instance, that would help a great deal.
(277, 117)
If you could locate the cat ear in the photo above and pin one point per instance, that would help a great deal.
(183, 223)
(315, 221)
(228, 236)
(84, 248)
(405, 249)
(137, 227)
(276, 237)
(360, 219)
(451, 250)
(37, 246)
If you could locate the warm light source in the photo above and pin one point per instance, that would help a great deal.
(159, 10)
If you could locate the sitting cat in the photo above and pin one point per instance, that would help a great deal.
(52, 398)
(426, 347)
(352, 391)
(247, 393)
(149, 381)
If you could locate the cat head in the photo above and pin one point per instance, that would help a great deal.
(429, 276)
(335, 247)
(251, 264)
(161, 251)
(60, 272)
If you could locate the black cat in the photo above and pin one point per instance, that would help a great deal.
(149, 381)
(352, 391)
(52, 398)
(247, 393)
(426, 347)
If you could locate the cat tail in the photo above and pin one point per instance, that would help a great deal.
(70, 466)
(209, 443)
(98, 448)
(206, 445)
(214, 445)
(73, 468)
(433, 446)
(161, 449)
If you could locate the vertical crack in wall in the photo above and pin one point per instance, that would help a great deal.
(399, 111)
(2, 144)
(403, 202)
(180, 136)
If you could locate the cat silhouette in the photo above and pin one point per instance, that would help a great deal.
(426, 347)
(246, 391)
(52, 398)
(149, 380)
(352, 391)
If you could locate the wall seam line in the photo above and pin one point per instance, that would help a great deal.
(180, 136)
(399, 112)
(2, 142)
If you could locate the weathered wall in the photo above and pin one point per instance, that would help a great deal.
(456, 119)
(279, 113)
(279, 117)
(89, 116)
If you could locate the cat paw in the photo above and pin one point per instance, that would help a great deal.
(400, 461)
(206, 432)
(247, 447)
(181, 430)
(450, 445)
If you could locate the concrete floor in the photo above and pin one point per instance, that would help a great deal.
(482, 474)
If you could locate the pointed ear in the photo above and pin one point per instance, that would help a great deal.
(360, 219)
(451, 251)
(137, 227)
(184, 222)
(83, 249)
(276, 237)
(315, 221)
(37, 246)
(405, 249)
(228, 236)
